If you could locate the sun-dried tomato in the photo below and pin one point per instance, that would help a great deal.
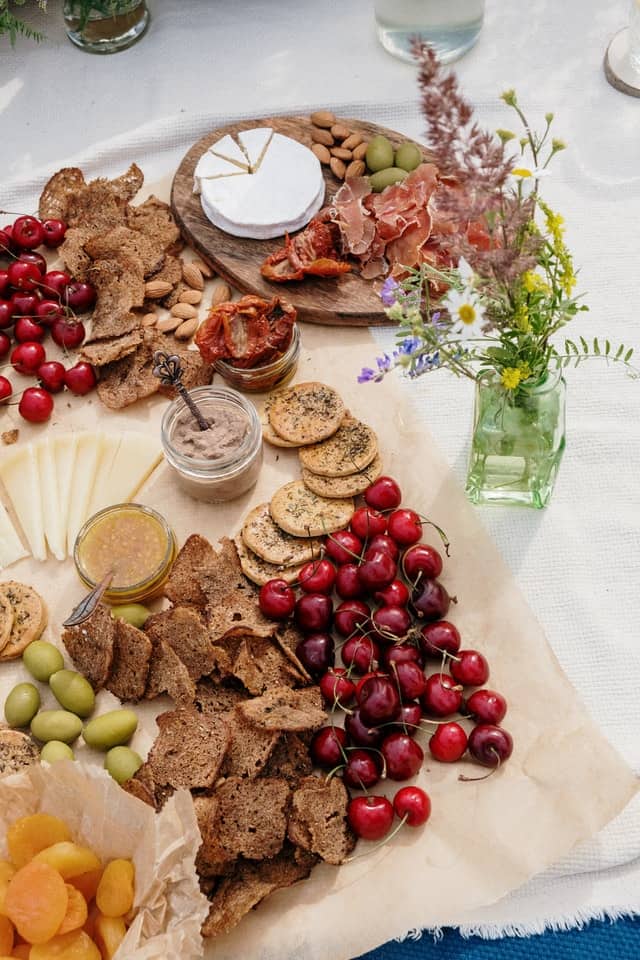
(247, 333)
(312, 252)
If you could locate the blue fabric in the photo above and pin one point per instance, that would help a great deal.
(600, 940)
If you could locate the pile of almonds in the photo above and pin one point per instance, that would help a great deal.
(336, 146)
(184, 318)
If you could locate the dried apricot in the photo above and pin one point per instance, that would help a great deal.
(69, 859)
(7, 870)
(115, 891)
(90, 923)
(6, 935)
(21, 952)
(69, 946)
(110, 932)
(87, 883)
(29, 835)
(36, 901)
(77, 911)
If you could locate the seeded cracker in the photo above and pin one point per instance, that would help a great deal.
(17, 750)
(340, 487)
(351, 448)
(301, 512)
(306, 413)
(259, 571)
(29, 617)
(270, 541)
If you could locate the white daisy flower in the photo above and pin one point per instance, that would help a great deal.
(464, 306)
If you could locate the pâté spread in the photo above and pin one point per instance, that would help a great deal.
(225, 436)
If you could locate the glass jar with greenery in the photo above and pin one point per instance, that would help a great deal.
(105, 26)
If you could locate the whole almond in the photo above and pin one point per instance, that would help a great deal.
(338, 168)
(184, 310)
(355, 169)
(360, 151)
(321, 152)
(155, 289)
(341, 153)
(204, 268)
(149, 319)
(319, 135)
(192, 276)
(323, 118)
(187, 329)
(167, 324)
(340, 132)
(190, 296)
(353, 141)
(220, 294)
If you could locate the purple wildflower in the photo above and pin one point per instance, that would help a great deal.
(388, 293)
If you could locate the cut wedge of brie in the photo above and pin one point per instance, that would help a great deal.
(282, 193)
(229, 150)
(212, 167)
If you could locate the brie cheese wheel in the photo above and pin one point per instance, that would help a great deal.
(282, 195)
(228, 149)
(211, 166)
(254, 143)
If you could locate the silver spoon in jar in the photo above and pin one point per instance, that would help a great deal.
(168, 369)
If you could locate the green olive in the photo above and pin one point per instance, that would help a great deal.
(408, 157)
(134, 613)
(385, 178)
(73, 692)
(111, 729)
(42, 659)
(21, 705)
(122, 763)
(56, 725)
(379, 153)
(56, 750)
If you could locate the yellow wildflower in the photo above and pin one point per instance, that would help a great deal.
(521, 318)
(524, 370)
(533, 282)
(509, 97)
(511, 377)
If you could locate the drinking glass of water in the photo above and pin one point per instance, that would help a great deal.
(451, 27)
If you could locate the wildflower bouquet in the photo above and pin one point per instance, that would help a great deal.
(503, 283)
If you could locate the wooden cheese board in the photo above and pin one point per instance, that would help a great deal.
(347, 301)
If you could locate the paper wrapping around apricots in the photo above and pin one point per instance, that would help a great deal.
(168, 904)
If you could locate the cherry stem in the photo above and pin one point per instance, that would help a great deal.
(382, 843)
(486, 776)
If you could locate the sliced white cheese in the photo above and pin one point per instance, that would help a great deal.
(65, 458)
(88, 453)
(284, 193)
(137, 457)
(228, 149)
(55, 533)
(254, 143)
(101, 495)
(210, 166)
(11, 548)
(19, 473)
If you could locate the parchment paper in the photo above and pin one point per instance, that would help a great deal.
(564, 781)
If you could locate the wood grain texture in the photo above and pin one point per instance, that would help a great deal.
(346, 301)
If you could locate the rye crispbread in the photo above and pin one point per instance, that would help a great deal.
(189, 749)
(90, 646)
(28, 617)
(119, 284)
(270, 542)
(307, 412)
(259, 571)
(131, 662)
(350, 449)
(252, 817)
(56, 193)
(185, 630)
(217, 698)
(289, 759)
(286, 709)
(6, 621)
(185, 580)
(260, 665)
(318, 821)
(17, 750)
(249, 748)
(349, 486)
(168, 674)
(103, 352)
(303, 513)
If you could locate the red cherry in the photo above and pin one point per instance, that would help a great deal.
(6, 314)
(6, 244)
(276, 599)
(411, 680)
(349, 615)
(67, 333)
(441, 696)
(4, 281)
(367, 522)
(421, 560)
(361, 653)
(391, 623)
(383, 494)
(404, 526)
(327, 747)
(367, 676)
(370, 818)
(378, 701)
(448, 743)
(381, 541)
(5, 388)
(312, 612)
(396, 594)
(27, 233)
(409, 720)
(487, 706)
(316, 653)
(54, 231)
(54, 283)
(439, 637)
(24, 304)
(23, 276)
(27, 329)
(81, 378)
(359, 733)
(36, 259)
(490, 745)
(403, 756)
(413, 804)
(27, 357)
(5, 345)
(343, 547)
(430, 600)
(377, 570)
(47, 311)
(80, 296)
(51, 374)
(336, 687)
(470, 669)
(348, 585)
(401, 653)
(317, 576)
(35, 405)
(362, 770)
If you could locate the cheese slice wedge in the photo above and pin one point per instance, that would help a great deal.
(137, 457)
(101, 495)
(20, 475)
(54, 531)
(254, 143)
(228, 149)
(65, 458)
(212, 167)
(11, 548)
(88, 453)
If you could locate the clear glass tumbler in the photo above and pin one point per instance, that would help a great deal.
(451, 27)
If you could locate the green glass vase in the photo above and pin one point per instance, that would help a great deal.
(518, 441)
(105, 26)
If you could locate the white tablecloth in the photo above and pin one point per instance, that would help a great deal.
(578, 562)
